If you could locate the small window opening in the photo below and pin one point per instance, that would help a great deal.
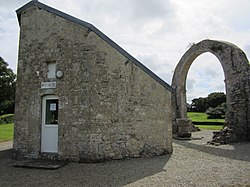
(51, 70)
(52, 111)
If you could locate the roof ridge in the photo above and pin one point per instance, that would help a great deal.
(98, 32)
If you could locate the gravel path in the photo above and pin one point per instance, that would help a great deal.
(192, 164)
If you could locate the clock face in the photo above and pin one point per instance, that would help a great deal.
(59, 74)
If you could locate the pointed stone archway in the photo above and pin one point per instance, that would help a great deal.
(237, 80)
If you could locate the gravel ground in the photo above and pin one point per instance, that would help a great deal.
(193, 163)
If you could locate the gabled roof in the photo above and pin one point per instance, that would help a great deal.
(98, 32)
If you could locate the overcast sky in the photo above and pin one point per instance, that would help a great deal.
(156, 32)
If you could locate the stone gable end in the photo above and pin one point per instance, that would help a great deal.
(108, 106)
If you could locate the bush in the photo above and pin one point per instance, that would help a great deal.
(7, 118)
(217, 112)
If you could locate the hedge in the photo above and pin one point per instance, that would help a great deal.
(7, 118)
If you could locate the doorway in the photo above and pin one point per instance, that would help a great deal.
(49, 137)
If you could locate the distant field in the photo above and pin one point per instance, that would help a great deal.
(6, 132)
(202, 117)
(209, 127)
(200, 120)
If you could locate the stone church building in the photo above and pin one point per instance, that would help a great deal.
(81, 97)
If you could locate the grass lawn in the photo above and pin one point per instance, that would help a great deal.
(202, 117)
(209, 127)
(200, 120)
(6, 132)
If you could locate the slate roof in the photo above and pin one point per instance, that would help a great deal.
(98, 32)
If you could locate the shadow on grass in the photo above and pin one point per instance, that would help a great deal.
(113, 173)
(208, 123)
(240, 151)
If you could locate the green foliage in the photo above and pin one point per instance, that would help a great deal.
(7, 88)
(217, 112)
(6, 132)
(6, 118)
(199, 104)
(202, 104)
(215, 99)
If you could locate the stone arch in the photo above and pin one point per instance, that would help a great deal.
(237, 82)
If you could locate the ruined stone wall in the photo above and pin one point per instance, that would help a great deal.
(108, 107)
(236, 69)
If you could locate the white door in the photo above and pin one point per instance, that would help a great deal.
(49, 138)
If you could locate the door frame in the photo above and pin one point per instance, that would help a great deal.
(45, 127)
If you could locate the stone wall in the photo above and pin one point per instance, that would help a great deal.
(109, 108)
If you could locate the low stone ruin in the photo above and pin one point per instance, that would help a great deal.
(220, 137)
(193, 128)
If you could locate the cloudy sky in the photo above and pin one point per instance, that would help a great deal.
(156, 32)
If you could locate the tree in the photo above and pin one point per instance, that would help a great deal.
(199, 104)
(7, 88)
(213, 100)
